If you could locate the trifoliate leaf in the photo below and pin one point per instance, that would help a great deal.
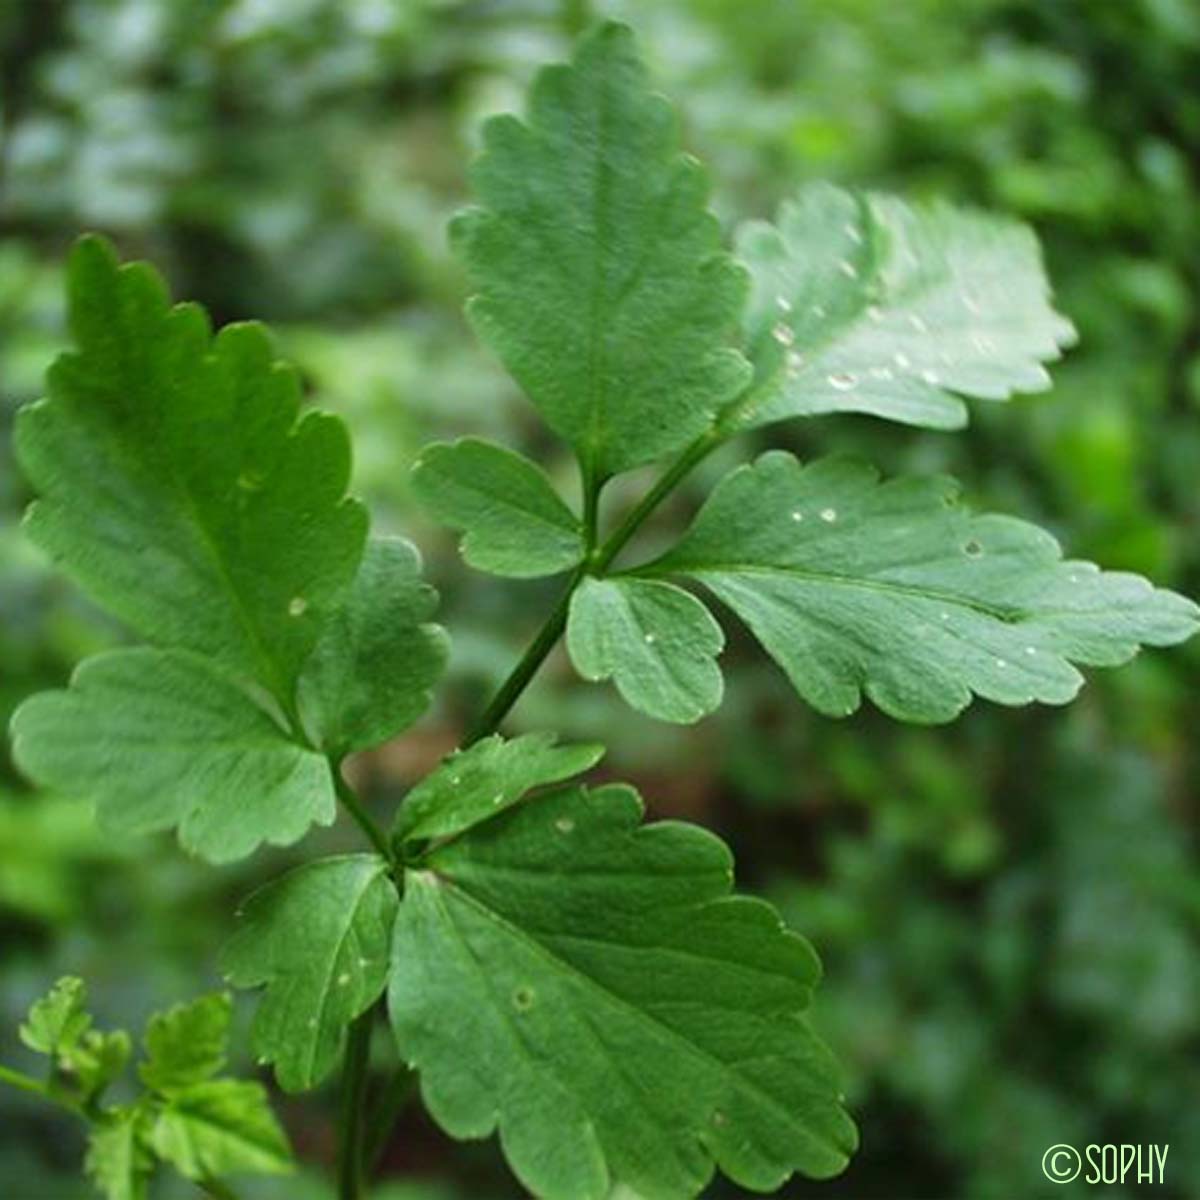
(474, 785)
(186, 1044)
(318, 938)
(176, 483)
(657, 642)
(161, 738)
(221, 1127)
(863, 304)
(601, 282)
(591, 989)
(118, 1159)
(514, 522)
(893, 589)
(371, 672)
(58, 1020)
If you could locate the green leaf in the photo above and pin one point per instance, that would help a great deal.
(657, 642)
(893, 589)
(371, 672)
(176, 483)
(864, 304)
(118, 1159)
(591, 989)
(97, 1060)
(161, 738)
(471, 786)
(601, 282)
(59, 1025)
(186, 1044)
(58, 1020)
(318, 938)
(514, 521)
(221, 1127)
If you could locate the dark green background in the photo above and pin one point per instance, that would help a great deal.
(1007, 908)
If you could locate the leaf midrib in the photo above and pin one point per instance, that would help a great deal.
(1007, 616)
(327, 990)
(564, 521)
(208, 360)
(542, 951)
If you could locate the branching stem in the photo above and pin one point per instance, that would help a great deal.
(597, 556)
(670, 479)
(518, 680)
(90, 1115)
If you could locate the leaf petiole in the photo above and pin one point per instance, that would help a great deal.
(46, 1091)
(595, 563)
(348, 798)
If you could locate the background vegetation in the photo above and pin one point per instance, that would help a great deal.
(1007, 908)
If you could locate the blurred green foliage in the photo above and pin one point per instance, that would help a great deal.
(1007, 908)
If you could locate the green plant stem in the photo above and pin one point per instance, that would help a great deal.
(598, 558)
(351, 1127)
(35, 1087)
(527, 667)
(674, 475)
(551, 630)
(353, 805)
(391, 1103)
(48, 1092)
